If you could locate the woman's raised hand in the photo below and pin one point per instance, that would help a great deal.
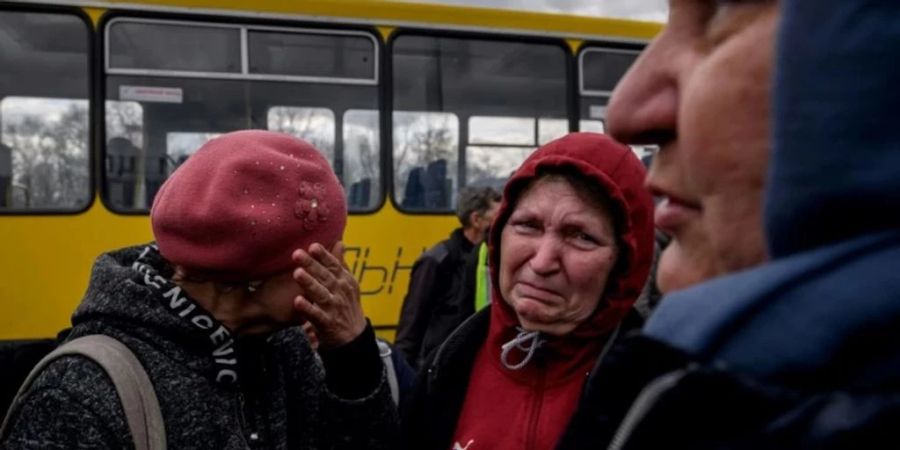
(331, 294)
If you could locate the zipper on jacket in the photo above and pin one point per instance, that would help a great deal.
(250, 434)
(643, 404)
(242, 417)
(536, 405)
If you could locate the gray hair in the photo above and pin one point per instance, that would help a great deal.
(475, 199)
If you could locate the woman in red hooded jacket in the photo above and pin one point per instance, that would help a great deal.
(570, 251)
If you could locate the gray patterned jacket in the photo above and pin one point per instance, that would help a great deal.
(215, 391)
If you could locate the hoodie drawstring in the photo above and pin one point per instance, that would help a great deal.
(521, 342)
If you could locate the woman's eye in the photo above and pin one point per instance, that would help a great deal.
(584, 237)
(526, 226)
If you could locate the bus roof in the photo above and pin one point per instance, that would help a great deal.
(403, 14)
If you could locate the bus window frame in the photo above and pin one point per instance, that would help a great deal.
(598, 48)
(91, 97)
(570, 108)
(244, 30)
(237, 20)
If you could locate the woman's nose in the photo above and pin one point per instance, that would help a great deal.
(643, 106)
(546, 258)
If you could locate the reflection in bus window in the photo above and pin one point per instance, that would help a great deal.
(362, 158)
(181, 145)
(188, 98)
(425, 154)
(501, 130)
(550, 129)
(511, 140)
(44, 160)
(125, 172)
(47, 146)
(314, 125)
(126, 120)
(594, 126)
(492, 166)
(494, 90)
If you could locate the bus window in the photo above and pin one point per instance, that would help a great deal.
(550, 129)
(47, 142)
(44, 127)
(498, 145)
(181, 145)
(125, 134)
(494, 89)
(362, 158)
(490, 166)
(599, 71)
(426, 146)
(234, 77)
(594, 126)
(501, 130)
(328, 57)
(173, 47)
(314, 125)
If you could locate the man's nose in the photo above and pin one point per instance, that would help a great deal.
(644, 103)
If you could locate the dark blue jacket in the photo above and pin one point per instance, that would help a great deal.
(804, 351)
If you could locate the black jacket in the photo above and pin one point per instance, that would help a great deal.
(430, 415)
(215, 391)
(434, 306)
(649, 395)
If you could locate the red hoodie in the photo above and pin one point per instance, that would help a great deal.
(530, 407)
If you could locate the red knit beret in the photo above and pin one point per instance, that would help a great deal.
(238, 208)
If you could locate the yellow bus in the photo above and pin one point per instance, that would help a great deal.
(100, 101)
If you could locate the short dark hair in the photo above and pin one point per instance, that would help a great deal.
(475, 199)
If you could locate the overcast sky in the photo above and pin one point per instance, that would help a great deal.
(654, 10)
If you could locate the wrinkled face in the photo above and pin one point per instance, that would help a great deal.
(557, 250)
(700, 92)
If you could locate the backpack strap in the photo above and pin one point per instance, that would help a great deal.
(135, 390)
(385, 350)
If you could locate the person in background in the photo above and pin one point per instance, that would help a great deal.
(247, 248)
(432, 309)
(570, 252)
(476, 286)
(801, 351)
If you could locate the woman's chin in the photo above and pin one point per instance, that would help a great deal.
(535, 321)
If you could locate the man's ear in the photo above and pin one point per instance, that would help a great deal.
(473, 216)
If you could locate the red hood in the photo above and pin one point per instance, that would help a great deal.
(617, 169)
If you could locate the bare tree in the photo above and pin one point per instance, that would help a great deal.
(307, 124)
(50, 158)
(420, 138)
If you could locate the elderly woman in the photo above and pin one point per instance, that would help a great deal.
(570, 252)
(210, 312)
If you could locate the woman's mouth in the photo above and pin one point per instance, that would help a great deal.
(539, 293)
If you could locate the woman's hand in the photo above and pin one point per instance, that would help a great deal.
(331, 295)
